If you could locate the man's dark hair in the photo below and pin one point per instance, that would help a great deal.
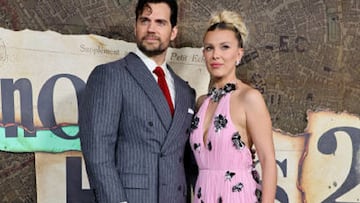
(142, 4)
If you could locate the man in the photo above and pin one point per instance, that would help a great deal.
(132, 144)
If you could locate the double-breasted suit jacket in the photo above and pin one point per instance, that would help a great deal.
(132, 146)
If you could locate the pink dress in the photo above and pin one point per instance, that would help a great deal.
(226, 172)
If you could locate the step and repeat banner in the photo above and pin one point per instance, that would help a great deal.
(43, 73)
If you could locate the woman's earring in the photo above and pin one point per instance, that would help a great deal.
(237, 63)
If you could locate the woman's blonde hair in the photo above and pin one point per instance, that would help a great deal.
(229, 20)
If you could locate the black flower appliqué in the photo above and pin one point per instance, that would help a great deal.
(258, 194)
(197, 147)
(209, 146)
(229, 175)
(195, 122)
(255, 175)
(238, 187)
(216, 94)
(238, 143)
(199, 193)
(220, 122)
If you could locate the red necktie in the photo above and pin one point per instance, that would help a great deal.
(164, 87)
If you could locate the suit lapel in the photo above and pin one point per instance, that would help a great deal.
(146, 80)
(181, 109)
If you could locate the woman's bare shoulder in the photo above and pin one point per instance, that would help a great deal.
(246, 92)
(249, 97)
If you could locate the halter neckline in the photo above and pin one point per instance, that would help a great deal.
(216, 94)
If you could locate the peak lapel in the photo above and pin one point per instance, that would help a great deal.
(182, 103)
(146, 80)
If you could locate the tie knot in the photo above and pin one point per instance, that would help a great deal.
(159, 71)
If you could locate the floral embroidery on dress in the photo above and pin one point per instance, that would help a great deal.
(234, 184)
(258, 194)
(199, 193)
(238, 187)
(216, 94)
(195, 122)
(238, 143)
(255, 175)
(229, 175)
(197, 147)
(209, 146)
(220, 122)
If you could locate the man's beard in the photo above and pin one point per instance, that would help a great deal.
(151, 52)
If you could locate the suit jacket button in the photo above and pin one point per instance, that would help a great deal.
(179, 188)
(150, 123)
(162, 154)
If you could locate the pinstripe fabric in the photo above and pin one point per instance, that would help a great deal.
(132, 146)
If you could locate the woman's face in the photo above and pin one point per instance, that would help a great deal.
(221, 52)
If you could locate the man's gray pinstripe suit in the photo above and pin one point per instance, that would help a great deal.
(133, 148)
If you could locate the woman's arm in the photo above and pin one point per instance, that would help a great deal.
(259, 129)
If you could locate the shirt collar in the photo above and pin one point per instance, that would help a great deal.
(150, 64)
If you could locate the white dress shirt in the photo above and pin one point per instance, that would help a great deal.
(151, 65)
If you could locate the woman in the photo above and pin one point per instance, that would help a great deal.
(231, 119)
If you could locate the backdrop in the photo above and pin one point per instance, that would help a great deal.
(303, 55)
(40, 86)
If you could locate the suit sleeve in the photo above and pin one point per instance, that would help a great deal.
(191, 171)
(191, 168)
(99, 113)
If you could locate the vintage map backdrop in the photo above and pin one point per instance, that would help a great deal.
(303, 54)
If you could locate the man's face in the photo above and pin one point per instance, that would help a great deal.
(153, 29)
